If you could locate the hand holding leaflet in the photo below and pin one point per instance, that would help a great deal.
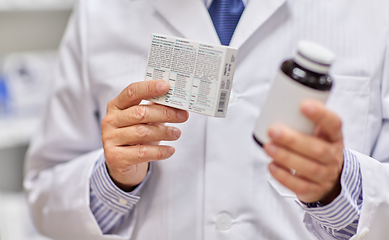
(131, 132)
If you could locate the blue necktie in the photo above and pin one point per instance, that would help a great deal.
(225, 16)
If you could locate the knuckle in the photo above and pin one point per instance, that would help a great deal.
(283, 157)
(106, 123)
(168, 114)
(110, 105)
(140, 113)
(161, 153)
(142, 131)
(320, 151)
(337, 124)
(315, 170)
(142, 152)
(335, 172)
(166, 132)
(338, 165)
(335, 159)
(149, 87)
(338, 157)
(110, 154)
(105, 139)
(131, 90)
(108, 138)
(170, 132)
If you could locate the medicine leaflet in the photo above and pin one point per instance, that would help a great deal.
(200, 75)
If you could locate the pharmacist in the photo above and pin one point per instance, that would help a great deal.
(87, 173)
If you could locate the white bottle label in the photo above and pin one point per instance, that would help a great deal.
(283, 106)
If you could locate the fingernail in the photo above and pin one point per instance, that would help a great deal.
(181, 115)
(171, 150)
(275, 133)
(161, 86)
(177, 133)
(271, 149)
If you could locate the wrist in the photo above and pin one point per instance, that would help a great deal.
(130, 178)
(334, 193)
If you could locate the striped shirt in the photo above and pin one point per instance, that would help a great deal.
(111, 206)
(340, 217)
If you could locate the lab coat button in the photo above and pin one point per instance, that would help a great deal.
(223, 221)
(122, 201)
(364, 232)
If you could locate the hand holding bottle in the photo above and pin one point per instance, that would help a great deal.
(310, 166)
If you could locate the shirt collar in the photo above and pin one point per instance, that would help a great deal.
(208, 2)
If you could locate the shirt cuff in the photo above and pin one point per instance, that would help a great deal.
(105, 190)
(345, 208)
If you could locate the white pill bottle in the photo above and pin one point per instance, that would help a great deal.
(303, 77)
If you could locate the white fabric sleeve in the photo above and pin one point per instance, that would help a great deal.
(64, 152)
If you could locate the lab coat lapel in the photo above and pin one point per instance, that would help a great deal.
(190, 18)
(255, 15)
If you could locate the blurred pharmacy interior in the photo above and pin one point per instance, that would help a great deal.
(30, 32)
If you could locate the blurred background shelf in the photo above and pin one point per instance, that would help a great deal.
(17, 132)
(31, 31)
(18, 5)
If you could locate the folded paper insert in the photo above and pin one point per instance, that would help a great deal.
(200, 75)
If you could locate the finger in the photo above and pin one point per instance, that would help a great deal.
(328, 121)
(306, 168)
(129, 155)
(305, 145)
(150, 114)
(306, 191)
(144, 133)
(138, 91)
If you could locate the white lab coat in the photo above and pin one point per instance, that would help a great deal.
(217, 167)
